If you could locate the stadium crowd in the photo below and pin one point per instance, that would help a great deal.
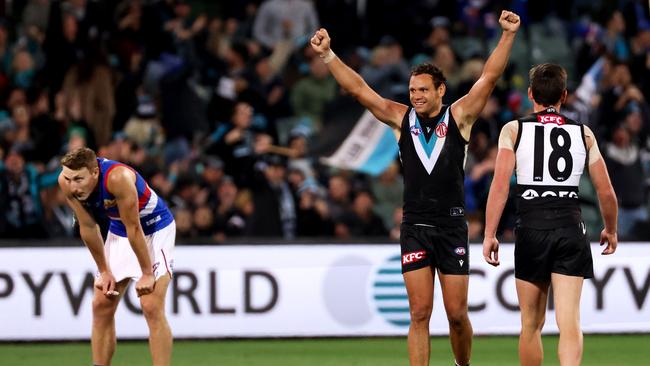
(225, 109)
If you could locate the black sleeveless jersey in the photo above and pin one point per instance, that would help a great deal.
(551, 154)
(434, 170)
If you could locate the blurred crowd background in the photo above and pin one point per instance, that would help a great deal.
(226, 111)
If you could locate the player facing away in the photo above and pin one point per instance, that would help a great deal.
(139, 246)
(550, 152)
(432, 140)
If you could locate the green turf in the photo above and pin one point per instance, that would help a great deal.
(603, 350)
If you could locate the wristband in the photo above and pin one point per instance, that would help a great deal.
(328, 57)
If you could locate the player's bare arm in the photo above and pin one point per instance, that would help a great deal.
(90, 235)
(121, 184)
(605, 191)
(467, 109)
(385, 110)
(499, 191)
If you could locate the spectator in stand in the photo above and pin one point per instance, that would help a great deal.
(312, 211)
(46, 132)
(275, 208)
(622, 157)
(388, 73)
(234, 142)
(621, 93)
(229, 220)
(22, 69)
(90, 80)
(614, 36)
(211, 171)
(20, 202)
(280, 20)
(388, 189)
(204, 222)
(310, 95)
(362, 221)
(338, 198)
(184, 225)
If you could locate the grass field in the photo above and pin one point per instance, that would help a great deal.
(619, 350)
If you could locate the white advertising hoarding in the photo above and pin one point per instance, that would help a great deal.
(298, 290)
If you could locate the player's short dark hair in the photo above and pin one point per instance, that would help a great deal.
(80, 158)
(430, 69)
(547, 83)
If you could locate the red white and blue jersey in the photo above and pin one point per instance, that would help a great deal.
(154, 214)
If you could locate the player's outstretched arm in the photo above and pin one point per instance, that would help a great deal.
(385, 110)
(498, 195)
(92, 238)
(121, 184)
(605, 191)
(467, 109)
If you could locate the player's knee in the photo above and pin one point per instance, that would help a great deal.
(420, 313)
(152, 310)
(533, 324)
(569, 327)
(102, 307)
(457, 319)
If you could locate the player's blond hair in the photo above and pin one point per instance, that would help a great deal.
(80, 158)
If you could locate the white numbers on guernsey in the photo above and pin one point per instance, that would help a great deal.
(560, 144)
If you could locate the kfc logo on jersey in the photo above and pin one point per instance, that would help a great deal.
(413, 257)
(530, 194)
(441, 130)
(550, 118)
(416, 130)
(460, 251)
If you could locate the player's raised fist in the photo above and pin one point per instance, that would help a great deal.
(509, 21)
(320, 42)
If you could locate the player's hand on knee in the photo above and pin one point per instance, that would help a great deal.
(611, 239)
(145, 284)
(491, 250)
(106, 283)
(509, 21)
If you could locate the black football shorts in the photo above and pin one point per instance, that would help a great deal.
(445, 248)
(564, 250)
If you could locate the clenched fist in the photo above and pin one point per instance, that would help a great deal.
(320, 42)
(509, 21)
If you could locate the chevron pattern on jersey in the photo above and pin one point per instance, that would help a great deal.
(428, 151)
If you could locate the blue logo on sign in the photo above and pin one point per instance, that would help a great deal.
(389, 292)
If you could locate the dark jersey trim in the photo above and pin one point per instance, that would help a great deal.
(584, 142)
(518, 134)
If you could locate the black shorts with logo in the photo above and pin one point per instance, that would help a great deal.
(445, 248)
(564, 250)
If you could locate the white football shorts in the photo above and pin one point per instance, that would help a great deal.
(123, 262)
